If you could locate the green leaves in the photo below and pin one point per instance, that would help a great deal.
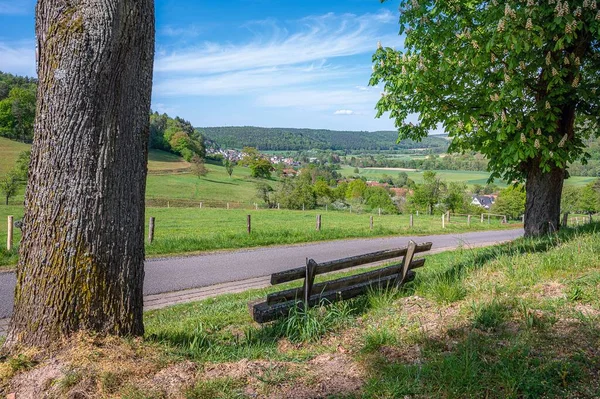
(506, 79)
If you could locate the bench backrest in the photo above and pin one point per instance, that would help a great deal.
(310, 294)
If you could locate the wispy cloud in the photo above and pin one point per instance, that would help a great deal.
(18, 58)
(344, 112)
(321, 37)
(319, 98)
(178, 31)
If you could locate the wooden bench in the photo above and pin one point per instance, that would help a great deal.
(278, 304)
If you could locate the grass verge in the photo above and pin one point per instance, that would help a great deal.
(520, 320)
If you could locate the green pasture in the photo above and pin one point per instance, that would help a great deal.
(185, 230)
(180, 230)
(468, 177)
(216, 186)
(162, 160)
(9, 151)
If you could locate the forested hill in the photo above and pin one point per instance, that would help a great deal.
(284, 139)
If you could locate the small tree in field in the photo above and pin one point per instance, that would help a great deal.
(9, 185)
(198, 167)
(514, 80)
(228, 166)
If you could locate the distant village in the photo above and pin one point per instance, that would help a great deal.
(483, 201)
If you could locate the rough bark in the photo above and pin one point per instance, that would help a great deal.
(542, 206)
(82, 252)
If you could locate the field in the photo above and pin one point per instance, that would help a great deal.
(160, 161)
(519, 320)
(468, 177)
(188, 230)
(216, 186)
(9, 151)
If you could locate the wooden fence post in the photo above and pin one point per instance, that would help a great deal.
(256, 206)
(565, 219)
(200, 205)
(468, 220)
(168, 204)
(371, 222)
(523, 219)
(228, 205)
(9, 237)
(488, 218)
(325, 207)
(504, 221)
(443, 221)
(482, 218)
(249, 224)
(302, 206)
(448, 216)
(411, 223)
(151, 230)
(318, 222)
(379, 211)
(309, 280)
(278, 206)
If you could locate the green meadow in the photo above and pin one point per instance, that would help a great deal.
(189, 230)
(468, 177)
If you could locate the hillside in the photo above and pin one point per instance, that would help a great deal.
(286, 139)
(9, 151)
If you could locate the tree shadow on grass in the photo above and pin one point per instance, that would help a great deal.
(514, 357)
(221, 182)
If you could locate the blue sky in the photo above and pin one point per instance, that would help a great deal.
(251, 62)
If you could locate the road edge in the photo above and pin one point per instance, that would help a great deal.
(166, 299)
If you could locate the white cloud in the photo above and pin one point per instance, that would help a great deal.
(263, 80)
(18, 58)
(321, 37)
(320, 99)
(188, 31)
(344, 112)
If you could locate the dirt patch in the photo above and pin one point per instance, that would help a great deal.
(431, 319)
(549, 290)
(175, 378)
(407, 354)
(36, 383)
(323, 376)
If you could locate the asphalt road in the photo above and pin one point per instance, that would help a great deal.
(174, 274)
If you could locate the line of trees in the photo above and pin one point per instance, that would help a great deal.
(17, 107)
(285, 139)
(175, 135)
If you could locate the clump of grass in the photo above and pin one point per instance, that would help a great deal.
(375, 338)
(70, 378)
(109, 381)
(12, 365)
(585, 288)
(219, 388)
(134, 392)
(489, 316)
(384, 298)
(306, 325)
(532, 319)
(444, 289)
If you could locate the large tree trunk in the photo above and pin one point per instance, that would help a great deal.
(82, 253)
(542, 207)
